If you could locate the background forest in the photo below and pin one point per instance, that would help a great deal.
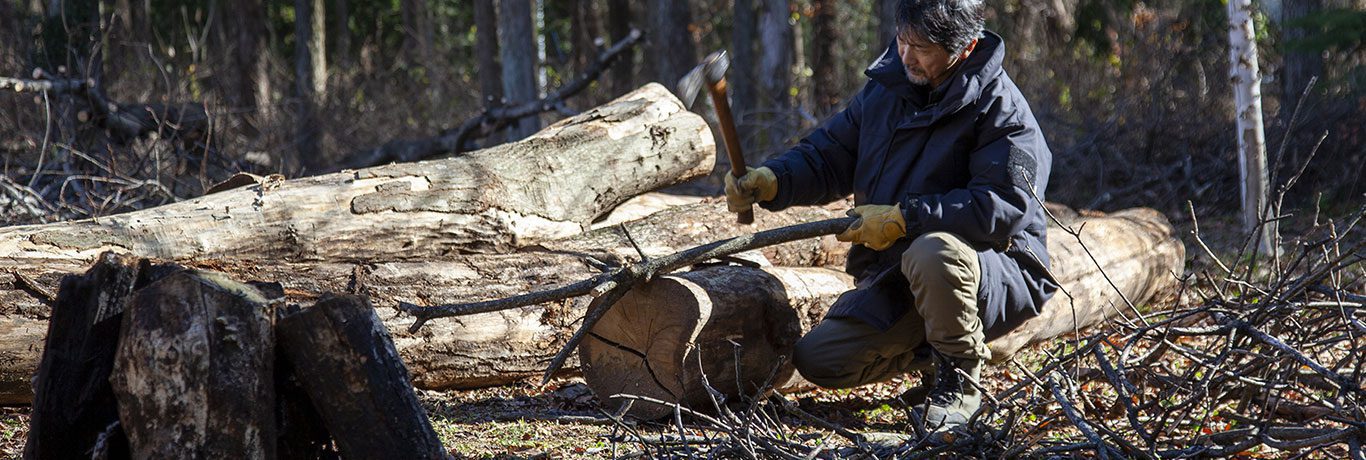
(1133, 95)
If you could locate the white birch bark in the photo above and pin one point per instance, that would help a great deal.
(1245, 76)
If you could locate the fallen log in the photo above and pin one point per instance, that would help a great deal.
(650, 343)
(474, 351)
(193, 373)
(548, 186)
(342, 353)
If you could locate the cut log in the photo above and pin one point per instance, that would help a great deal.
(649, 343)
(74, 402)
(193, 374)
(548, 186)
(664, 337)
(477, 351)
(299, 429)
(343, 356)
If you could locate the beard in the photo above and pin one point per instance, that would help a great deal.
(916, 80)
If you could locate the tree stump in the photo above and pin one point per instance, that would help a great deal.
(73, 402)
(348, 365)
(193, 373)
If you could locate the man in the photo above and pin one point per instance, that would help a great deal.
(948, 168)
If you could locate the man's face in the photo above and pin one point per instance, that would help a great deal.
(926, 63)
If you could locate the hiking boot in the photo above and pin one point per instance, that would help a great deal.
(915, 395)
(954, 397)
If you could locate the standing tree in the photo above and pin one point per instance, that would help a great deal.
(619, 25)
(775, 73)
(1300, 65)
(886, 21)
(824, 57)
(670, 42)
(518, 40)
(743, 90)
(486, 51)
(310, 78)
(1245, 76)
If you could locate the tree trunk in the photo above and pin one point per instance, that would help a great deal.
(193, 372)
(518, 39)
(341, 34)
(343, 355)
(666, 336)
(486, 50)
(886, 23)
(619, 26)
(650, 342)
(1300, 65)
(310, 79)
(825, 83)
(672, 50)
(775, 76)
(480, 350)
(495, 200)
(744, 93)
(583, 24)
(1245, 75)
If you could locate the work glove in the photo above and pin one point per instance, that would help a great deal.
(878, 226)
(756, 185)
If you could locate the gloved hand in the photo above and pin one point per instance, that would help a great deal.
(756, 185)
(878, 226)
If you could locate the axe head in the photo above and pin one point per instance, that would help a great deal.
(711, 70)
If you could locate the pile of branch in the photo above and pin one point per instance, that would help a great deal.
(1267, 362)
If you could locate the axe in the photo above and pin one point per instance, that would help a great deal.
(712, 74)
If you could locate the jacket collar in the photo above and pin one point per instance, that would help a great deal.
(962, 88)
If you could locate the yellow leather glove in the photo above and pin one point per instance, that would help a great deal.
(878, 226)
(756, 185)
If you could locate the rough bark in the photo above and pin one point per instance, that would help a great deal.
(775, 76)
(481, 350)
(348, 365)
(666, 336)
(741, 79)
(74, 402)
(824, 56)
(672, 50)
(517, 37)
(310, 78)
(193, 372)
(549, 186)
(486, 51)
(648, 344)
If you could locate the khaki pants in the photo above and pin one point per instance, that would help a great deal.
(944, 275)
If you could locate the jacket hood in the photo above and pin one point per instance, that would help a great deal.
(961, 89)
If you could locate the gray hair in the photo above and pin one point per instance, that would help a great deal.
(951, 24)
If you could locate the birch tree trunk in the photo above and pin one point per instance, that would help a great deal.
(1245, 77)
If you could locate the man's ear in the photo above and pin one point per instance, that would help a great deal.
(966, 51)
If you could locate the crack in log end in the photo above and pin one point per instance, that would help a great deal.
(644, 359)
(78, 239)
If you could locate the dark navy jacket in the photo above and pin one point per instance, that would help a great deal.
(960, 158)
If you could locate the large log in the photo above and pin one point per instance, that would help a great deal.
(548, 186)
(469, 352)
(347, 363)
(732, 325)
(649, 343)
(193, 373)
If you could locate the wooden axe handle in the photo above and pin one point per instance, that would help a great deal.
(731, 138)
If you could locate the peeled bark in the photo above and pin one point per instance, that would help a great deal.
(469, 352)
(193, 373)
(549, 186)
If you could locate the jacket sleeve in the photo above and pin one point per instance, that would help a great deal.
(1005, 166)
(820, 168)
